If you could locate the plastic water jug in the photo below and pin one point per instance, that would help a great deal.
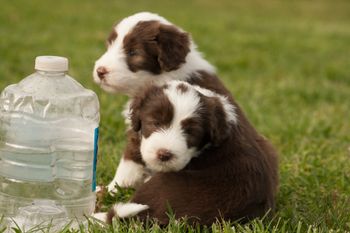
(48, 147)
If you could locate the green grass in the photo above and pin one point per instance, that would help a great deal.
(286, 62)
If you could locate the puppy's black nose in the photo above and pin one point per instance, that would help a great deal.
(164, 155)
(101, 72)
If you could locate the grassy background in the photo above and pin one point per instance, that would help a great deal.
(286, 62)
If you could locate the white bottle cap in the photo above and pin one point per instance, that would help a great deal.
(51, 63)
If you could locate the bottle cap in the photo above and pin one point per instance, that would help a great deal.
(51, 63)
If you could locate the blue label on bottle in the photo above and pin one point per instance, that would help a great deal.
(95, 159)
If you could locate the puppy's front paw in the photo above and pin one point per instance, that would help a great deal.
(129, 175)
(125, 210)
(100, 216)
(112, 188)
(121, 210)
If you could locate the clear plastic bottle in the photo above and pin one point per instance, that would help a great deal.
(48, 147)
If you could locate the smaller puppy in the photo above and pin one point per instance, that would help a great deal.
(205, 166)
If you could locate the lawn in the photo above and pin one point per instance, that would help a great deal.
(286, 62)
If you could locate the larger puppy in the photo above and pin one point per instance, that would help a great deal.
(147, 48)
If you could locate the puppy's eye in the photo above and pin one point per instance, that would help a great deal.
(154, 123)
(188, 131)
(132, 53)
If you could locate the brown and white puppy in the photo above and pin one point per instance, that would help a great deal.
(206, 164)
(146, 48)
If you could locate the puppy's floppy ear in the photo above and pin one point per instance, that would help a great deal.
(216, 117)
(135, 107)
(173, 47)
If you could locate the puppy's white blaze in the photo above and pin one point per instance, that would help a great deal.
(185, 103)
(230, 110)
(128, 174)
(124, 210)
(100, 216)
